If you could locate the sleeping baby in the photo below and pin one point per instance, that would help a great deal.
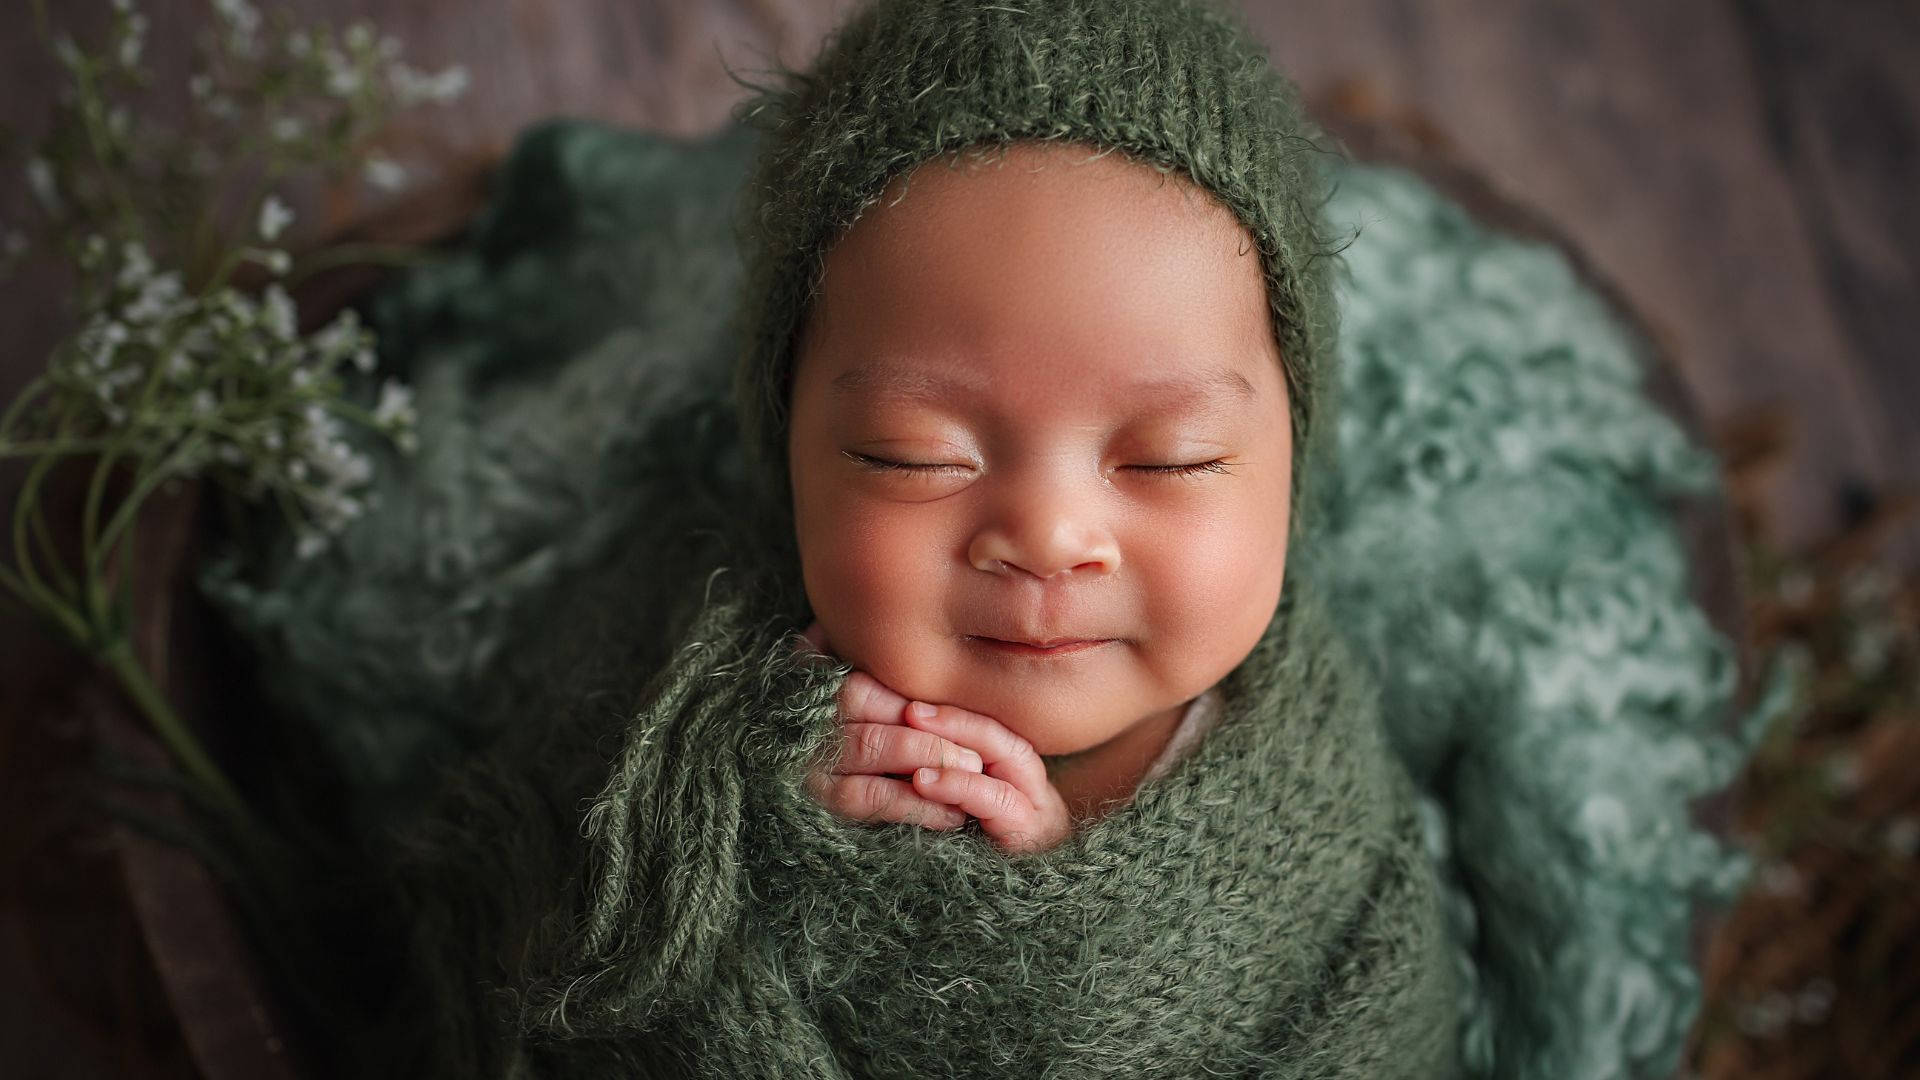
(1041, 464)
(1003, 744)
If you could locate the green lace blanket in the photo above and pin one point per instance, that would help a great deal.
(1499, 551)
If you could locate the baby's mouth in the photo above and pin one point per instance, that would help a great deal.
(1049, 647)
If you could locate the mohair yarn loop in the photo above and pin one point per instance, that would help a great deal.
(1182, 86)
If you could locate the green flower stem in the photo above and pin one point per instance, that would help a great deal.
(143, 486)
(355, 255)
(44, 536)
(90, 516)
(53, 448)
(192, 758)
(33, 389)
(31, 587)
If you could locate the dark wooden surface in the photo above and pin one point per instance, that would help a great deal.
(1744, 171)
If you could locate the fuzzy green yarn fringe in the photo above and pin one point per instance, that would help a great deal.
(1498, 549)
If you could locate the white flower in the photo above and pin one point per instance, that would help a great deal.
(136, 266)
(301, 378)
(178, 365)
(277, 313)
(299, 43)
(363, 359)
(135, 38)
(202, 403)
(156, 298)
(200, 85)
(359, 36)
(40, 180)
(339, 336)
(343, 81)
(276, 261)
(412, 86)
(275, 216)
(68, 52)
(385, 173)
(395, 408)
(1903, 836)
(311, 544)
(287, 128)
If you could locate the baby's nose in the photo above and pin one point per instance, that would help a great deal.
(1045, 536)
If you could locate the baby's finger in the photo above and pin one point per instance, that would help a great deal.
(1005, 814)
(866, 700)
(877, 798)
(1007, 756)
(898, 750)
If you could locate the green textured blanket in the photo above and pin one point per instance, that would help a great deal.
(1498, 550)
(1265, 909)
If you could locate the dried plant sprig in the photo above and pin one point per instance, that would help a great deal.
(175, 372)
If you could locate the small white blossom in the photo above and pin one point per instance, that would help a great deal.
(1781, 879)
(1813, 1001)
(363, 359)
(385, 173)
(413, 87)
(343, 81)
(277, 313)
(1767, 1017)
(395, 408)
(40, 180)
(178, 365)
(135, 39)
(156, 300)
(301, 378)
(202, 404)
(200, 86)
(1903, 836)
(299, 44)
(68, 52)
(136, 266)
(310, 544)
(287, 128)
(275, 216)
(276, 261)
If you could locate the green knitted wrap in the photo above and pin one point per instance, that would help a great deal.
(1267, 908)
(1178, 85)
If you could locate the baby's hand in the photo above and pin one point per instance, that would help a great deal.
(962, 763)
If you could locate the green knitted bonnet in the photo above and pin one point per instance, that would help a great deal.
(1175, 84)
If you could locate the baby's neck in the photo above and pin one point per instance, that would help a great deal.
(1094, 781)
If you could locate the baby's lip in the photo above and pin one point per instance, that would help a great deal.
(1041, 644)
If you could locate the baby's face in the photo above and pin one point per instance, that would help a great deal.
(1040, 399)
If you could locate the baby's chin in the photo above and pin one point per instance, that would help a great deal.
(1075, 709)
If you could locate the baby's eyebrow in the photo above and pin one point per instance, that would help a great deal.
(910, 383)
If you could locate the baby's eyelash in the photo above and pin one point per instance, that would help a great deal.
(1215, 466)
(885, 465)
(896, 466)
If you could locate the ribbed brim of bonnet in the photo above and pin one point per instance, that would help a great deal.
(1173, 83)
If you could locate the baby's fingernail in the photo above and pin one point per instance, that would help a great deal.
(920, 710)
(926, 776)
(971, 762)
